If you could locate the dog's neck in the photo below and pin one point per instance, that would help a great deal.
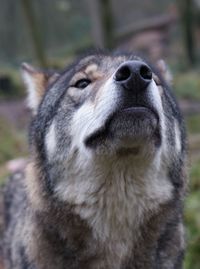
(112, 194)
(113, 197)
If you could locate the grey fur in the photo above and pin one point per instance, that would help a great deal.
(49, 226)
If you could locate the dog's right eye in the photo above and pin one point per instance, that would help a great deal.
(82, 83)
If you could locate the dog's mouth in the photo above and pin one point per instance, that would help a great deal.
(135, 123)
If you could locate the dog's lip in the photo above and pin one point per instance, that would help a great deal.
(135, 110)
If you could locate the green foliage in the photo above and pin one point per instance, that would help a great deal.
(193, 124)
(187, 85)
(192, 219)
(12, 142)
(17, 89)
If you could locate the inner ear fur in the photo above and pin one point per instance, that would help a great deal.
(36, 82)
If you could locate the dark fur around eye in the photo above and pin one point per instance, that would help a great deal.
(82, 83)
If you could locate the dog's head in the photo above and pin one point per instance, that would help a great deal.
(103, 105)
(104, 108)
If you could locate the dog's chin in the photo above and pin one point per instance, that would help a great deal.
(127, 131)
(134, 124)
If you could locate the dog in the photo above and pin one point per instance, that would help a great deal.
(106, 180)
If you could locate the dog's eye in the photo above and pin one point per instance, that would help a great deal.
(82, 83)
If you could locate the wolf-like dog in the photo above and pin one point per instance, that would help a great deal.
(105, 185)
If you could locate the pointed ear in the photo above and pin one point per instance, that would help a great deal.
(164, 71)
(36, 82)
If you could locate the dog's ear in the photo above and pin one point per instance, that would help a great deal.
(36, 82)
(164, 71)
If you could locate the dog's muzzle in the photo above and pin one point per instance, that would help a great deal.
(134, 117)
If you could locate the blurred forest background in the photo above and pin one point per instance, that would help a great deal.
(52, 33)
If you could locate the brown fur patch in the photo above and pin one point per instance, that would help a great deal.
(41, 82)
(33, 188)
(156, 79)
(37, 81)
(90, 72)
(158, 83)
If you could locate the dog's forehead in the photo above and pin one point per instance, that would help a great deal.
(102, 62)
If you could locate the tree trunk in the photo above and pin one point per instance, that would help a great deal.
(107, 20)
(102, 23)
(34, 32)
(187, 16)
(96, 23)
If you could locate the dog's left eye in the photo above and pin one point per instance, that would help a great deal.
(82, 83)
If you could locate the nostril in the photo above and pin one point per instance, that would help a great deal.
(145, 72)
(123, 73)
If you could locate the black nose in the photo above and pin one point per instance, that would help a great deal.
(134, 75)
